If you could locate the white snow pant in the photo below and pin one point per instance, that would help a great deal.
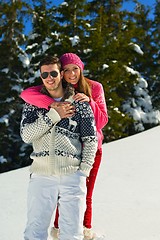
(44, 193)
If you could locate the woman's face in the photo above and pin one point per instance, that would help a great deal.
(71, 73)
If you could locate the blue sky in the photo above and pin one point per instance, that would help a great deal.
(128, 5)
(151, 3)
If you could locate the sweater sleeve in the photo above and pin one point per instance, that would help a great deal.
(36, 122)
(32, 95)
(98, 105)
(88, 137)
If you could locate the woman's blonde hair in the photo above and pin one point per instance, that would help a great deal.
(84, 85)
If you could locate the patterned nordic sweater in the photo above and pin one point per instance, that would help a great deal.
(60, 146)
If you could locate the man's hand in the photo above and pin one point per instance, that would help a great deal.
(64, 109)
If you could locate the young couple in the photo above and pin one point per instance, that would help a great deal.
(58, 119)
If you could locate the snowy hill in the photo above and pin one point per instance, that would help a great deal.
(126, 198)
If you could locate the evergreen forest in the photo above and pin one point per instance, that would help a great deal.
(119, 47)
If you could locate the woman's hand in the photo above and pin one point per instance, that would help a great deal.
(64, 109)
(81, 97)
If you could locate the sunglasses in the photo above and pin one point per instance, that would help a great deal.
(54, 74)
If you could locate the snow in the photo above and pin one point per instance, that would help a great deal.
(2, 159)
(136, 48)
(126, 202)
(74, 40)
(139, 105)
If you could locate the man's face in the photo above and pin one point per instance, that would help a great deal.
(52, 80)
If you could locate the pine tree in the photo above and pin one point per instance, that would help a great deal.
(119, 48)
(105, 56)
(11, 77)
(113, 38)
(41, 38)
(71, 17)
(141, 107)
(154, 82)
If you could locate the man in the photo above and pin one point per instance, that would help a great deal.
(64, 147)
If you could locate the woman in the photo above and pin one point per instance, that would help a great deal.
(89, 91)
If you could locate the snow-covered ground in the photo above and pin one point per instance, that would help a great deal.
(126, 203)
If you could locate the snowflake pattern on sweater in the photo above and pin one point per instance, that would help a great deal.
(63, 146)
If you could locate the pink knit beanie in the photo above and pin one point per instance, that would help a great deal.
(71, 58)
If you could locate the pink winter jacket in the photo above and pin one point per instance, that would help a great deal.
(32, 95)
